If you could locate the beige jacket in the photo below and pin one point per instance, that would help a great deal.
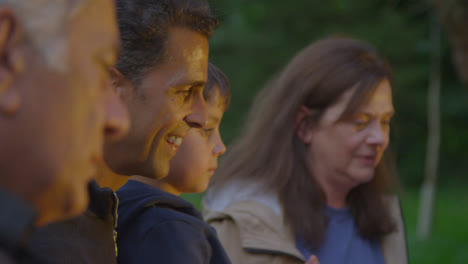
(253, 233)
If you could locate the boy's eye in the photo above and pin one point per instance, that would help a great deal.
(207, 131)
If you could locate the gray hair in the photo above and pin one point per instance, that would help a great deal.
(43, 24)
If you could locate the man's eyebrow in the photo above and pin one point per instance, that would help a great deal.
(184, 83)
(198, 83)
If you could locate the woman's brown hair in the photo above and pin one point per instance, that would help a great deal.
(270, 153)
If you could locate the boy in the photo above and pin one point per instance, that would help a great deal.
(155, 225)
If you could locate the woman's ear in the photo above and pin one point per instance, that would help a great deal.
(304, 124)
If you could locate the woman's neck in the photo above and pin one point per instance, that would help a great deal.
(335, 193)
(335, 199)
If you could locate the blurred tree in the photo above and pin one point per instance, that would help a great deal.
(257, 37)
(453, 15)
(428, 189)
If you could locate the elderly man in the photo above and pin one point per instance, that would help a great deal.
(160, 76)
(54, 111)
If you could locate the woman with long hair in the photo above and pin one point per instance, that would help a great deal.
(310, 174)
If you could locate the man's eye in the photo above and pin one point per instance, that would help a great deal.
(185, 93)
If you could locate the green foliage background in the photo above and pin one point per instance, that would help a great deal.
(256, 38)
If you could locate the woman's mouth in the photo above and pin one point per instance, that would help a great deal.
(368, 159)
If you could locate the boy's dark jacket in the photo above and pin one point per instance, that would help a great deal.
(157, 227)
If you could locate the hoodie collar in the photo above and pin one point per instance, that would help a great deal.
(135, 197)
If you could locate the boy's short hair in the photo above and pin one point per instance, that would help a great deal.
(217, 78)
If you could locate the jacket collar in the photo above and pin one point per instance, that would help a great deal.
(261, 229)
(102, 201)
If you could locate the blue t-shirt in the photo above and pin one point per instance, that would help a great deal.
(343, 244)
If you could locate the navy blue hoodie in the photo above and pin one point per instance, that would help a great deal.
(157, 227)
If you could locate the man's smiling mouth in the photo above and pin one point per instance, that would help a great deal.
(174, 141)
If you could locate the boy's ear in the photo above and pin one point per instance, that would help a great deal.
(303, 124)
(121, 85)
(11, 61)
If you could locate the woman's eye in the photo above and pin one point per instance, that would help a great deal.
(362, 121)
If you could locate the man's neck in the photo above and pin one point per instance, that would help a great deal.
(105, 177)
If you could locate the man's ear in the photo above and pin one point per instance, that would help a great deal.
(304, 124)
(11, 61)
(121, 85)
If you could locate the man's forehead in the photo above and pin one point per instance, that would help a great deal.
(188, 45)
(186, 58)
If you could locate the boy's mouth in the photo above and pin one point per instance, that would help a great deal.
(212, 169)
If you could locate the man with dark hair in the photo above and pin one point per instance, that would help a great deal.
(54, 112)
(158, 84)
(160, 77)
